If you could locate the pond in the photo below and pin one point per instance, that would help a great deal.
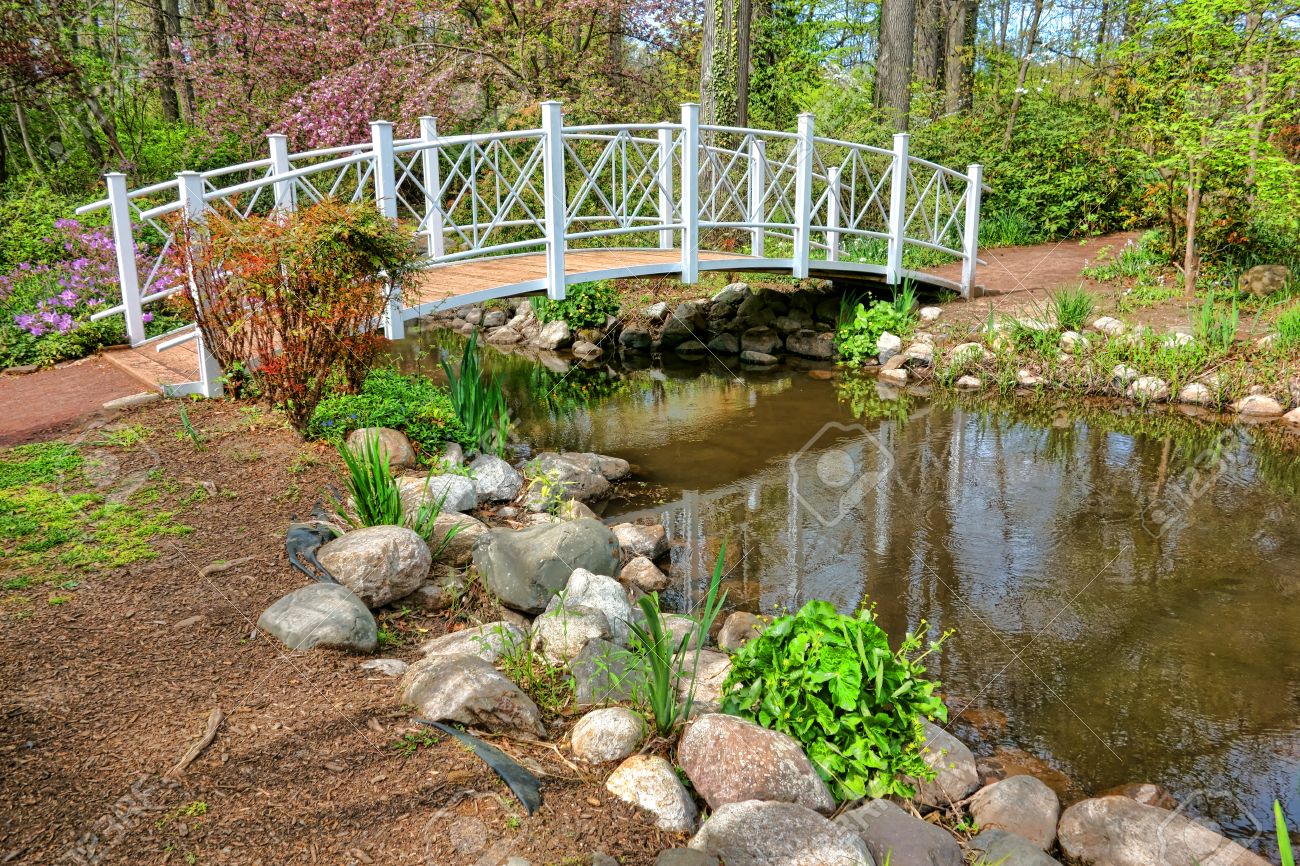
(1124, 588)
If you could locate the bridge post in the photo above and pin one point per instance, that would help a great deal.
(284, 196)
(381, 134)
(897, 210)
(119, 209)
(757, 191)
(664, 170)
(556, 198)
(433, 224)
(194, 207)
(971, 246)
(690, 192)
(833, 213)
(803, 180)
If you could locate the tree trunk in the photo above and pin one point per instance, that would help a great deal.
(1024, 72)
(893, 91)
(4, 156)
(180, 76)
(931, 24)
(959, 62)
(1191, 261)
(744, 52)
(21, 114)
(163, 75)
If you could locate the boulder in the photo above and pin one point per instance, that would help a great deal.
(967, 353)
(393, 444)
(896, 377)
(1258, 406)
(554, 335)
(1148, 389)
(641, 539)
(610, 734)
(759, 358)
(732, 294)
(440, 591)
(739, 628)
(692, 349)
(574, 478)
(385, 667)
(525, 568)
(1292, 417)
(725, 344)
(656, 313)
(1007, 849)
(452, 455)
(918, 355)
(564, 631)
(504, 337)
(324, 615)
(456, 492)
(460, 548)
(1072, 341)
(887, 346)
(1028, 379)
(811, 344)
(683, 630)
(1019, 804)
(763, 340)
(1196, 394)
(1145, 793)
(968, 383)
(494, 318)
(586, 349)
(757, 833)
(605, 673)
(598, 592)
(685, 857)
(787, 325)
(684, 324)
(730, 760)
(957, 776)
(1119, 831)
(488, 641)
(896, 837)
(1111, 327)
(495, 480)
(468, 690)
(1264, 280)
(711, 671)
(612, 468)
(929, 314)
(473, 316)
(635, 338)
(572, 509)
(379, 563)
(643, 574)
(649, 782)
(1122, 374)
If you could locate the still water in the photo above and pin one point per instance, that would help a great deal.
(1124, 590)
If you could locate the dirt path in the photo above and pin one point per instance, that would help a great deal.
(1040, 268)
(42, 404)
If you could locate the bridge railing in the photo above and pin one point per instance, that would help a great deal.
(792, 198)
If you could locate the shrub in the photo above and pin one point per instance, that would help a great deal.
(29, 218)
(856, 338)
(1072, 308)
(414, 405)
(832, 682)
(585, 305)
(479, 401)
(296, 296)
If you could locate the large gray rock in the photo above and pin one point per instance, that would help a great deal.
(711, 669)
(605, 673)
(725, 344)
(811, 344)
(635, 338)
(458, 491)
(324, 615)
(554, 335)
(525, 568)
(495, 480)
(488, 641)
(580, 479)
(740, 628)
(764, 340)
(440, 591)
(1020, 804)
(887, 346)
(649, 782)
(755, 833)
(900, 839)
(644, 575)
(459, 550)
(1007, 849)
(957, 776)
(685, 857)
(609, 734)
(602, 593)
(564, 631)
(732, 294)
(1118, 831)
(466, 689)
(685, 323)
(730, 760)
(380, 564)
(612, 468)
(393, 444)
(638, 539)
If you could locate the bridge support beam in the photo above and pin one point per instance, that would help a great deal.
(556, 204)
(119, 209)
(897, 211)
(803, 180)
(757, 191)
(974, 192)
(432, 181)
(690, 192)
(194, 207)
(278, 144)
(833, 213)
(664, 169)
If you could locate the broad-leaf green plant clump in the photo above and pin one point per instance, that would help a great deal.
(585, 305)
(416, 406)
(856, 338)
(832, 682)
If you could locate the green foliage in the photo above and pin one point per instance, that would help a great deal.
(1283, 836)
(585, 305)
(376, 497)
(1008, 228)
(1288, 327)
(550, 687)
(1072, 308)
(832, 682)
(412, 404)
(1133, 259)
(856, 339)
(671, 664)
(1216, 326)
(28, 212)
(479, 401)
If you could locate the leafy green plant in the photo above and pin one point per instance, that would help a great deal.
(586, 305)
(479, 401)
(1134, 259)
(1216, 326)
(832, 682)
(1072, 308)
(550, 687)
(904, 300)
(670, 664)
(416, 406)
(856, 340)
(1288, 327)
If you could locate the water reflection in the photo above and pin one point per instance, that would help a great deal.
(1120, 647)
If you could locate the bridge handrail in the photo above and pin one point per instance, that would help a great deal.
(477, 195)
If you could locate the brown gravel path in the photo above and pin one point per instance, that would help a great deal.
(42, 404)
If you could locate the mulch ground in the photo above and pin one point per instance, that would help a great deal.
(316, 762)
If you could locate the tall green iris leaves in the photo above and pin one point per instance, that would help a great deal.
(832, 682)
(479, 400)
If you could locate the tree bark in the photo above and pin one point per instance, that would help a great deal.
(21, 114)
(931, 27)
(893, 91)
(744, 52)
(724, 78)
(1024, 72)
(1191, 261)
(164, 77)
(959, 62)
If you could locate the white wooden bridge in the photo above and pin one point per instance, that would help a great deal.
(526, 211)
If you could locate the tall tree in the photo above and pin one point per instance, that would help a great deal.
(893, 92)
(959, 57)
(1030, 44)
(725, 52)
